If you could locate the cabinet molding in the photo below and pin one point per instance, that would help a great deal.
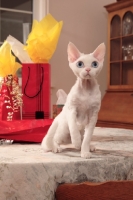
(119, 5)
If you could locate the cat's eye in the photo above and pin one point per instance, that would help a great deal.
(94, 64)
(80, 64)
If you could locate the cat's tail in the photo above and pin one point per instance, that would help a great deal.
(47, 142)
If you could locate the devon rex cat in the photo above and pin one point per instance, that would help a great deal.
(76, 123)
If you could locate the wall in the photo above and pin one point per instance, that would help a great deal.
(85, 24)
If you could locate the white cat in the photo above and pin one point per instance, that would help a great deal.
(78, 118)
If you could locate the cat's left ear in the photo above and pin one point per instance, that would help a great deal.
(73, 52)
(99, 52)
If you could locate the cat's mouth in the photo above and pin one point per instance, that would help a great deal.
(85, 76)
(88, 75)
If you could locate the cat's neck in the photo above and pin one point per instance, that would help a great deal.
(86, 83)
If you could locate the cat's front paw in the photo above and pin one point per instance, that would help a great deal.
(77, 144)
(86, 155)
(56, 148)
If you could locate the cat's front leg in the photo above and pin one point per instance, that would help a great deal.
(73, 128)
(86, 148)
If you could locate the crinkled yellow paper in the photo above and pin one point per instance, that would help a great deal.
(43, 39)
(8, 65)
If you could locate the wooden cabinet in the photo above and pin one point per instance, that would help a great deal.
(117, 104)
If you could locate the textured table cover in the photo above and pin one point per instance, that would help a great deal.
(27, 173)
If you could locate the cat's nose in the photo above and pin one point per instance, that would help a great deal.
(88, 69)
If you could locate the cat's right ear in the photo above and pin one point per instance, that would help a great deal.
(73, 52)
(99, 53)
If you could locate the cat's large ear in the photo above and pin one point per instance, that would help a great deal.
(99, 52)
(73, 52)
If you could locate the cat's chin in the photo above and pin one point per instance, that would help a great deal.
(87, 77)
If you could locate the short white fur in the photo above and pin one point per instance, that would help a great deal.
(76, 123)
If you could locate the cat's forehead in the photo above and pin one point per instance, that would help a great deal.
(86, 58)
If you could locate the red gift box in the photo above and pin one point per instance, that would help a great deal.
(36, 91)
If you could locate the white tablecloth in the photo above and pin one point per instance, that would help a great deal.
(27, 173)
